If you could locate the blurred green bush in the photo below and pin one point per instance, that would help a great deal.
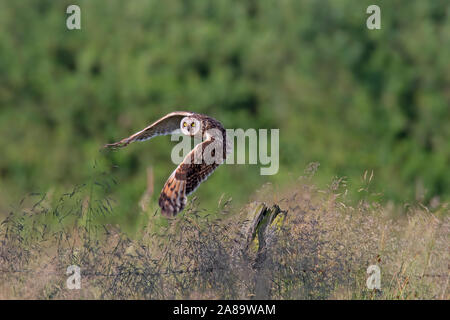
(345, 96)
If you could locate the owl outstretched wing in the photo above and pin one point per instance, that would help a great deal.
(184, 180)
(166, 125)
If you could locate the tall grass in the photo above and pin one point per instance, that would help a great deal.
(318, 247)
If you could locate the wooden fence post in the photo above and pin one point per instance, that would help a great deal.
(259, 225)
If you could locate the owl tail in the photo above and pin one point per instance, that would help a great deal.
(173, 196)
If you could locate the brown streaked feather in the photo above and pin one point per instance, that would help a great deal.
(166, 125)
(173, 196)
(190, 173)
(186, 178)
(197, 174)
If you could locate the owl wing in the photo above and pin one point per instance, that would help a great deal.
(166, 125)
(184, 180)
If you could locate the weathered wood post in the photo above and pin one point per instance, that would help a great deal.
(259, 225)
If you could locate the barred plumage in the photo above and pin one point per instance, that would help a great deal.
(197, 166)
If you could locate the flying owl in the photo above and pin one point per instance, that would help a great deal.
(196, 167)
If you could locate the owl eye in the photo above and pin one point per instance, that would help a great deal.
(184, 124)
(193, 124)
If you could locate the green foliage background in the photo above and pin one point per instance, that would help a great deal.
(342, 95)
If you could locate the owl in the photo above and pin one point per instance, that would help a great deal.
(197, 166)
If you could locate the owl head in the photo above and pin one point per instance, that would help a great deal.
(190, 126)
